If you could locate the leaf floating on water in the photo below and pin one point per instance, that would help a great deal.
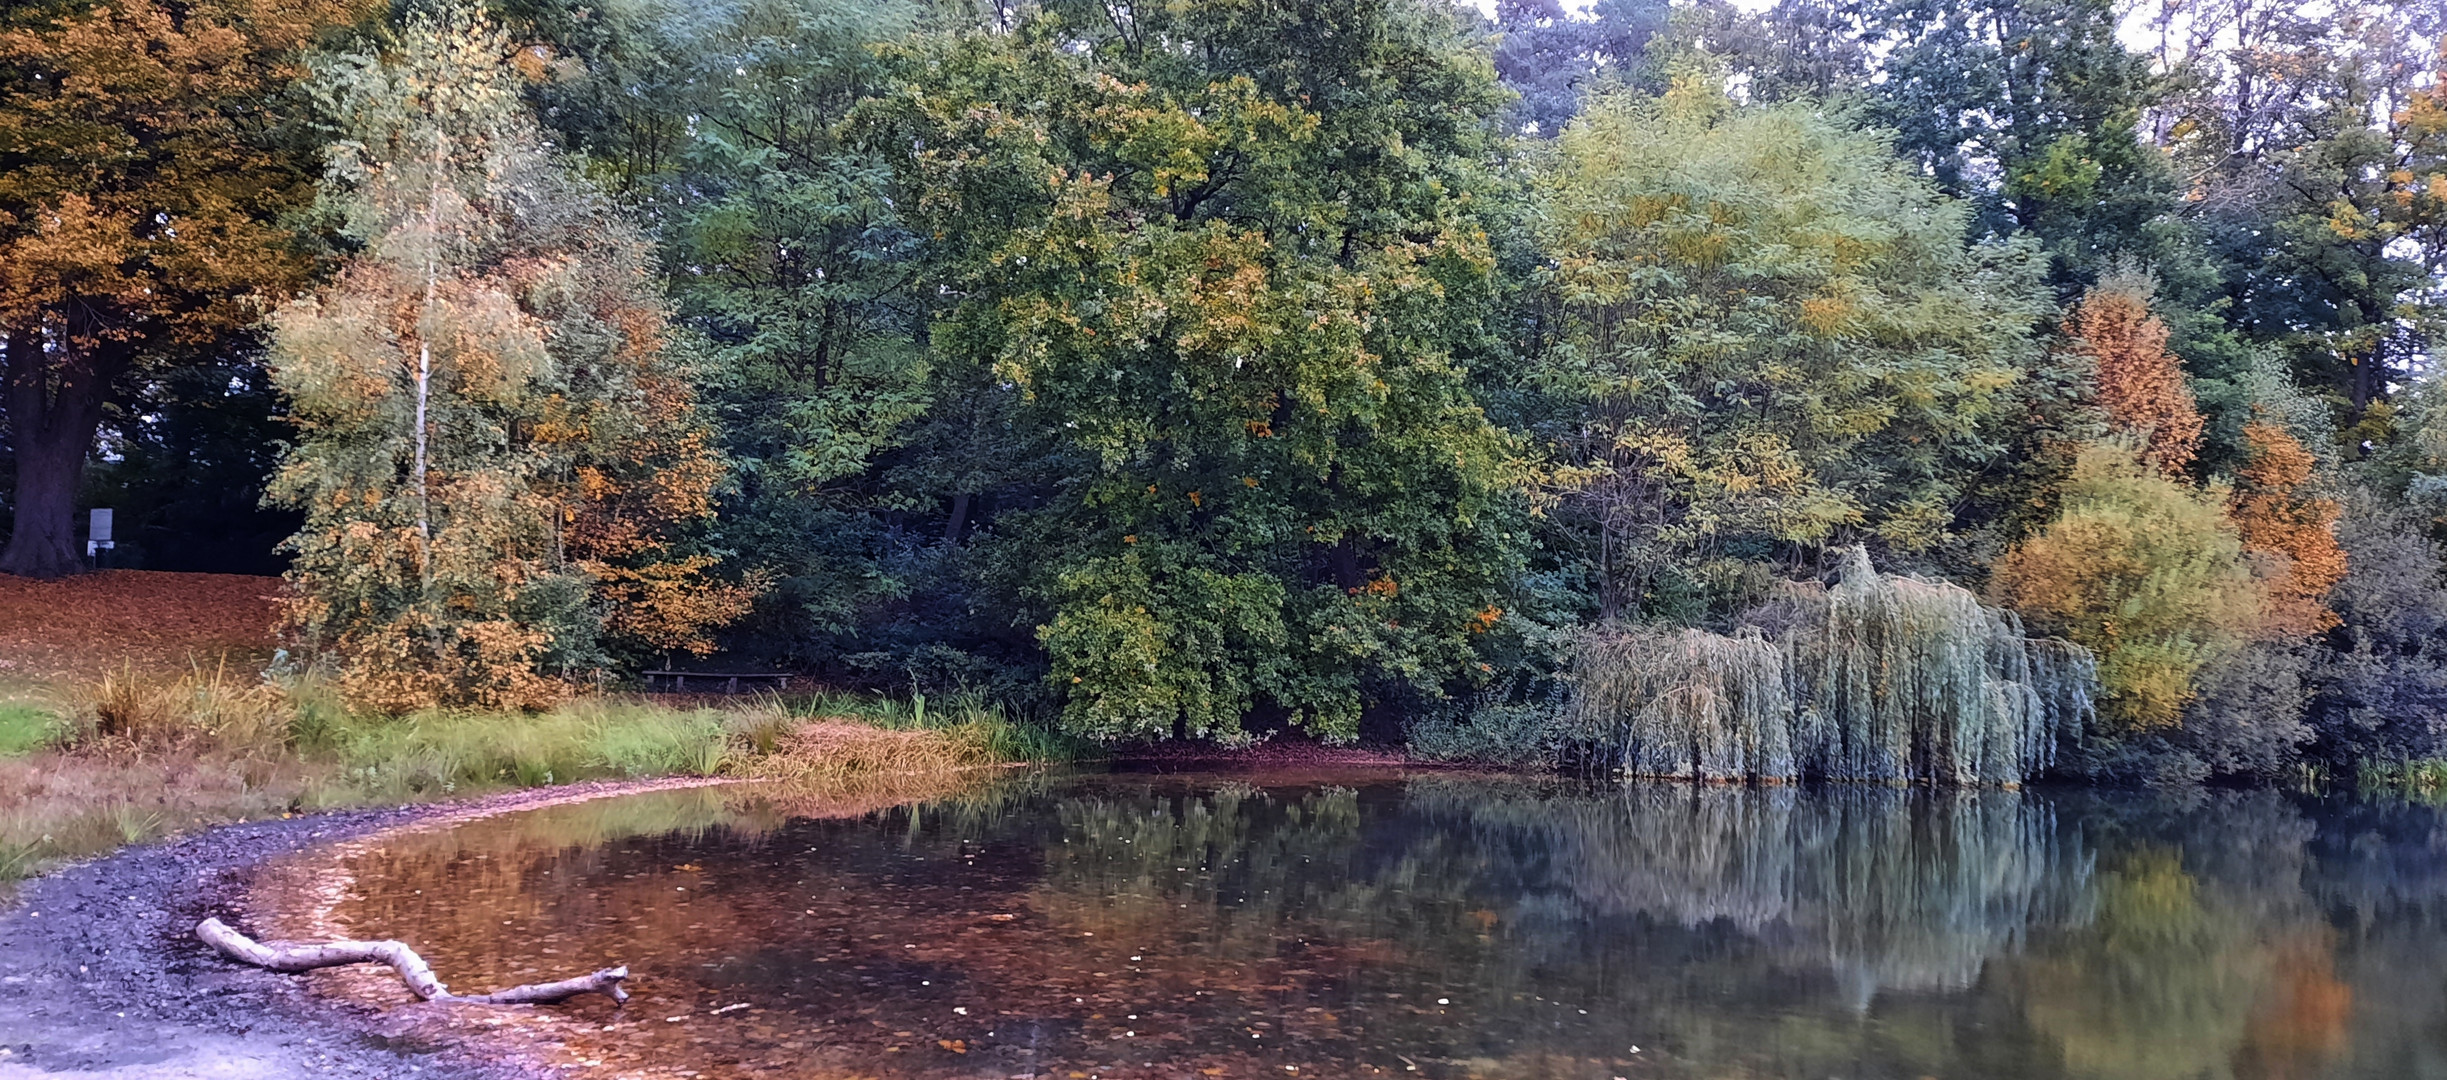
(957, 1046)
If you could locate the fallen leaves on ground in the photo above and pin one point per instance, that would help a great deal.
(85, 626)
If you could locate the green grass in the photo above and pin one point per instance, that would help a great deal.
(26, 727)
(447, 753)
(132, 757)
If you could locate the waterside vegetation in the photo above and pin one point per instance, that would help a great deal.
(1975, 399)
(137, 756)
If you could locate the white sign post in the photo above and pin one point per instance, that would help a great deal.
(97, 533)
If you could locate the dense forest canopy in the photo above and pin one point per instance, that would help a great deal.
(1501, 381)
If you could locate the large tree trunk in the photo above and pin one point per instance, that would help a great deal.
(53, 410)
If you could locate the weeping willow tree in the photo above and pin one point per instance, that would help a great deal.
(1880, 678)
(1691, 703)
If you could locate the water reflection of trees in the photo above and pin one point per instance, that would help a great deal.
(1731, 931)
(2243, 935)
(1883, 888)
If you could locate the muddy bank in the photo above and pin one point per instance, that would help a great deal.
(101, 976)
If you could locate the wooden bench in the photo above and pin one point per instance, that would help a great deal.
(716, 682)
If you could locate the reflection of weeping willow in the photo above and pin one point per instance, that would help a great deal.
(1879, 678)
(1882, 888)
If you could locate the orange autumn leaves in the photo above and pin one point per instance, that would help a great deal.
(2158, 575)
(2294, 533)
(140, 201)
(2141, 387)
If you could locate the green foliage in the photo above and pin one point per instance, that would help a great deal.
(1491, 728)
(2142, 570)
(789, 268)
(1221, 267)
(1878, 678)
(2031, 108)
(1771, 335)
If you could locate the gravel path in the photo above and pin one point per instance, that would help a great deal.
(101, 975)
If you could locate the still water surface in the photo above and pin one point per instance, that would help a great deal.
(1377, 924)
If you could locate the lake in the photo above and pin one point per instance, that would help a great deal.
(1331, 924)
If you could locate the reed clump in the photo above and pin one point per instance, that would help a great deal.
(1879, 678)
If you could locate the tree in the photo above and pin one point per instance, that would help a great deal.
(796, 271)
(2031, 109)
(146, 159)
(2292, 529)
(2146, 572)
(2140, 384)
(1224, 263)
(1556, 59)
(1772, 338)
(2301, 137)
(497, 456)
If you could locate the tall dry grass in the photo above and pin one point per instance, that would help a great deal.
(139, 756)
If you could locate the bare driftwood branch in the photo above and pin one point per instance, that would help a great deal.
(411, 967)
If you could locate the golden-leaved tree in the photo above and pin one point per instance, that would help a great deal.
(144, 166)
(2141, 385)
(498, 457)
(2293, 530)
(2145, 571)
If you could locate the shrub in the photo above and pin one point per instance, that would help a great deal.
(1493, 729)
(2146, 572)
(2247, 716)
(2379, 690)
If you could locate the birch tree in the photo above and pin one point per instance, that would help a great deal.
(498, 456)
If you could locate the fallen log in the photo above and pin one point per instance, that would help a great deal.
(412, 968)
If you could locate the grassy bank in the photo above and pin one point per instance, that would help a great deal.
(132, 756)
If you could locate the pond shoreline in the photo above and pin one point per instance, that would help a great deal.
(101, 975)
